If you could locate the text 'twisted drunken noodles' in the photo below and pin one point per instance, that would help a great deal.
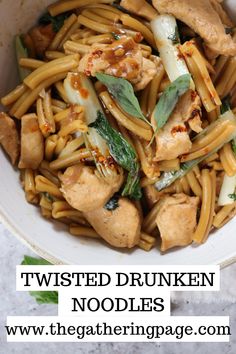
(123, 126)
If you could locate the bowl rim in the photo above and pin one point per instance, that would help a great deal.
(223, 263)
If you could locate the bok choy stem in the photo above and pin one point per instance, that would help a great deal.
(166, 34)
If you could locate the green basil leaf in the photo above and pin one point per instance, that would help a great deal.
(132, 187)
(225, 107)
(34, 261)
(234, 145)
(122, 152)
(233, 196)
(169, 99)
(42, 297)
(57, 21)
(45, 297)
(21, 52)
(123, 92)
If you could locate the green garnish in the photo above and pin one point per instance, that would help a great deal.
(123, 92)
(21, 52)
(225, 107)
(42, 297)
(115, 36)
(169, 99)
(233, 196)
(122, 152)
(57, 21)
(113, 203)
(175, 36)
(234, 145)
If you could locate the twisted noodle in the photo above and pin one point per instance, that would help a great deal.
(224, 215)
(50, 69)
(206, 210)
(46, 186)
(29, 97)
(68, 5)
(197, 67)
(70, 160)
(228, 160)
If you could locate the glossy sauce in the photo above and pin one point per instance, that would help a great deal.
(77, 85)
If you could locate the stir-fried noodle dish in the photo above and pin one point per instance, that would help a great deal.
(123, 125)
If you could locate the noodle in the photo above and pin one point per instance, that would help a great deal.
(206, 209)
(54, 67)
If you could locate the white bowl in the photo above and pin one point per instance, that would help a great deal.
(51, 240)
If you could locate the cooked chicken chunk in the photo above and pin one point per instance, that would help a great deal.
(32, 143)
(120, 227)
(9, 138)
(85, 190)
(177, 220)
(140, 7)
(123, 58)
(202, 17)
(173, 140)
(221, 12)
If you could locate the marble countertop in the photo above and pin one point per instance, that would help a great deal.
(13, 303)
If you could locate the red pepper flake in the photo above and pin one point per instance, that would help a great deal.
(77, 85)
(193, 95)
(178, 129)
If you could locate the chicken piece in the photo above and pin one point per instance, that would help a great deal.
(123, 58)
(120, 227)
(9, 138)
(147, 74)
(85, 190)
(140, 8)
(195, 124)
(225, 19)
(177, 220)
(203, 19)
(32, 143)
(173, 139)
(42, 37)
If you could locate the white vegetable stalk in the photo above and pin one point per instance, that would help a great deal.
(165, 31)
(79, 90)
(86, 96)
(228, 189)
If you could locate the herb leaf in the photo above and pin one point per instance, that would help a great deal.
(115, 36)
(113, 203)
(57, 21)
(132, 186)
(21, 52)
(225, 107)
(169, 99)
(233, 196)
(122, 152)
(234, 145)
(34, 261)
(123, 92)
(42, 297)
(45, 297)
